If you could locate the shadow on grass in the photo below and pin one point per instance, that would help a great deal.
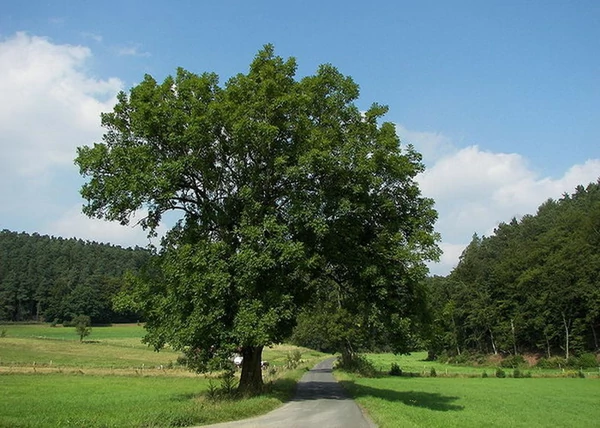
(428, 400)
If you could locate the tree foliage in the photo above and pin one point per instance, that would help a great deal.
(532, 286)
(83, 326)
(48, 278)
(283, 185)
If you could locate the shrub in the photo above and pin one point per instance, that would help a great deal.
(513, 361)
(586, 361)
(552, 363)
(395, 370)
(82, 325)
(484, 374)
(358, 364)
(463, 358)
(293, 358)
(3, 332)
(432, 372)
(228, 383)
(500, 373)
(580, 373)
(517, 373)
(443, 357)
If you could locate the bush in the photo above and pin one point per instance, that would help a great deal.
(513, 362)
(463, 358)
(586, 361)
(395, 370)
(552, 363)
(293, 359)
(517, 373)
(432, 372)
(358, 364)
(500, 373)
(443, 357)
(82, 325)
(484, 374)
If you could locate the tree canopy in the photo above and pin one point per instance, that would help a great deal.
(285, 188)
(533, 286)
(56, 279)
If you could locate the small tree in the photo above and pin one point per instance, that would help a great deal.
(82, 325)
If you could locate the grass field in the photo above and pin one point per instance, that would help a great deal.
(417, 364)
(458, 400)
(48, 379)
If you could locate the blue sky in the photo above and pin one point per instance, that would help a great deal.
(501, 97)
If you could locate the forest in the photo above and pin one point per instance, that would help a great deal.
(50, 279)
(533, 286)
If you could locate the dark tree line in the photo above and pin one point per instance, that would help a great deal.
(533, 286)
(48, 278)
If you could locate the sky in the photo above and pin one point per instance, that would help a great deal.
(502, 98)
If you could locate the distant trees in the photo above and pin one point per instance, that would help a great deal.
(47, 278)
(534, 285)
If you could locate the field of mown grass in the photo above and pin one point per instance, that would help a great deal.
(48, 379)
(459, 399)
(417, 364)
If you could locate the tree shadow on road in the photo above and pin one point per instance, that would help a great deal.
(428, 400)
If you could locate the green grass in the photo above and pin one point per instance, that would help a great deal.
(462, 398)
(118, 331)
(417, 364)
(476, 402)
(110, 401)
(108, 347)
(48, 379)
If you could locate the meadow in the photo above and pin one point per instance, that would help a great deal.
(48, 379)
(460, 397)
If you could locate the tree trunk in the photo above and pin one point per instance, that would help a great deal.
(595, 337)
(493, 342)
(548, 352)
(566, 324)
(514, 337)
(251, 380)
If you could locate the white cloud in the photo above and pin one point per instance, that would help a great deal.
(96, 37)
(74, 224)
(475, 190)
(432, 145)
(50, 104)
(131, 50)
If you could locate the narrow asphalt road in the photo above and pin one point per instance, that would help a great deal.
(319, 402)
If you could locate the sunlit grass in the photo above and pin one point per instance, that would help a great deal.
(48, 379)
(416, 363)
(476, 402)
(106, 401)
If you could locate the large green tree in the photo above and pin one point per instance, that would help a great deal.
(284, 185)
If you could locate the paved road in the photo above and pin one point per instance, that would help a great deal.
(319, 402)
